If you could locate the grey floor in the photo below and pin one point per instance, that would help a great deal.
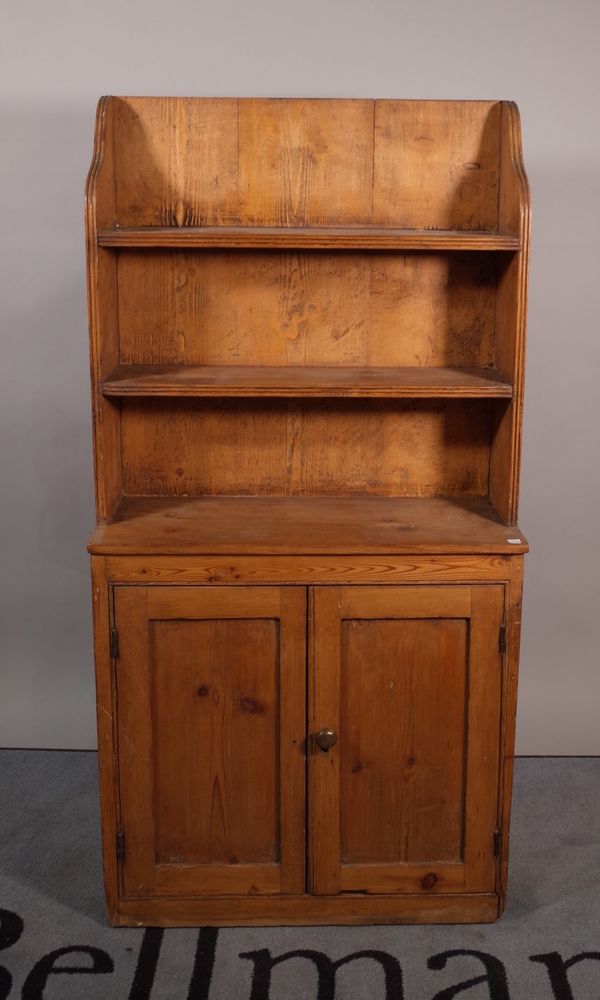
(50, 880)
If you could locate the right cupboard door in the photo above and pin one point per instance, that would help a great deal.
(405, 699)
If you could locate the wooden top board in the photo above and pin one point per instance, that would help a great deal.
(304, 525)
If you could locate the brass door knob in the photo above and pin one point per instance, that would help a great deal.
(325, 739)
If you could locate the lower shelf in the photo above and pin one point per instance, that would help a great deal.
(305, 525)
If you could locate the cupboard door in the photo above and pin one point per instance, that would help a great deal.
(409, 681)
(211, 726)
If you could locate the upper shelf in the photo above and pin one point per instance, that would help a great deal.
(247, 380)
(308, 238)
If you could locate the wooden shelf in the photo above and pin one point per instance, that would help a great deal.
(304, 525)
(217, 381)
(308, 238)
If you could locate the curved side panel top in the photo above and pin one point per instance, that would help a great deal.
(103, 312)
(511, 307)
(514, 206)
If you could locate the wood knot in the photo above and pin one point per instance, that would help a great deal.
(202, 691)
(429, 881)
(250, 705)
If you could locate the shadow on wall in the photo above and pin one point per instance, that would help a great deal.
(45, 432)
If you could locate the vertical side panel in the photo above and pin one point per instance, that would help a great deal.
(509, 715)
(324, 768)
(106, 716)
(134, 728)
(511, 307)
(103, 313)
(485, 675)
(292, 735)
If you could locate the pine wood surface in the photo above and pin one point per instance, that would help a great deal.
(510, 680)
(298, 309)
(351, 908)
(106, 715)
(511, 310)
(211, 711)
(270, 447)
(402, 787)
(321, 238)
(348, 908)
(307, 328)
(250, 380)
(306, 569)
(274, 162)
(237, 525)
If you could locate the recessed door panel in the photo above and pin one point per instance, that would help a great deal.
(402, 739)
(409, 681)
(215, 727)
(211, 721)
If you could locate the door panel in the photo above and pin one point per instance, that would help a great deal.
(409, 678)
(211, 723)
(225, 719)
(408, 765)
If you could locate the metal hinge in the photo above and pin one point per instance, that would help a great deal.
(502, 638)
(120, 845)
(114, 644)
(497, 840)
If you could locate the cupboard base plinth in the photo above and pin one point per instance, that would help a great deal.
(474, 908)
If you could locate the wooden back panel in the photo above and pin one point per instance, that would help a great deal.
(291, 308)
(211, 161)
(305, 447)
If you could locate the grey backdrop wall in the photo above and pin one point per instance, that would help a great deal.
(56, 59)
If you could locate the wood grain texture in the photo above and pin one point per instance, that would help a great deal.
(407, 797)
(214, 700)
(478, 908)
(510, 676)
(294, 525)
(294, 155)
(178, 161)
(298, 162)
(106, 703)
(307, 325)
(102, 293)
(483, 758)
(402, 742)
(212, 770)
(436, 164)
(309, 238)
(323, 773)
(250, 380)
(511, 311)
(238, 570)
(285, 308)
(305, 447)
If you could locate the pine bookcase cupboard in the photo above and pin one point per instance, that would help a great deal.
(307, 341)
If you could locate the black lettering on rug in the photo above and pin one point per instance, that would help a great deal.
(495, 974)
(264, 964)
(558, 968)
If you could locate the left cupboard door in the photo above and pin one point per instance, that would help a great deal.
(211, 704)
